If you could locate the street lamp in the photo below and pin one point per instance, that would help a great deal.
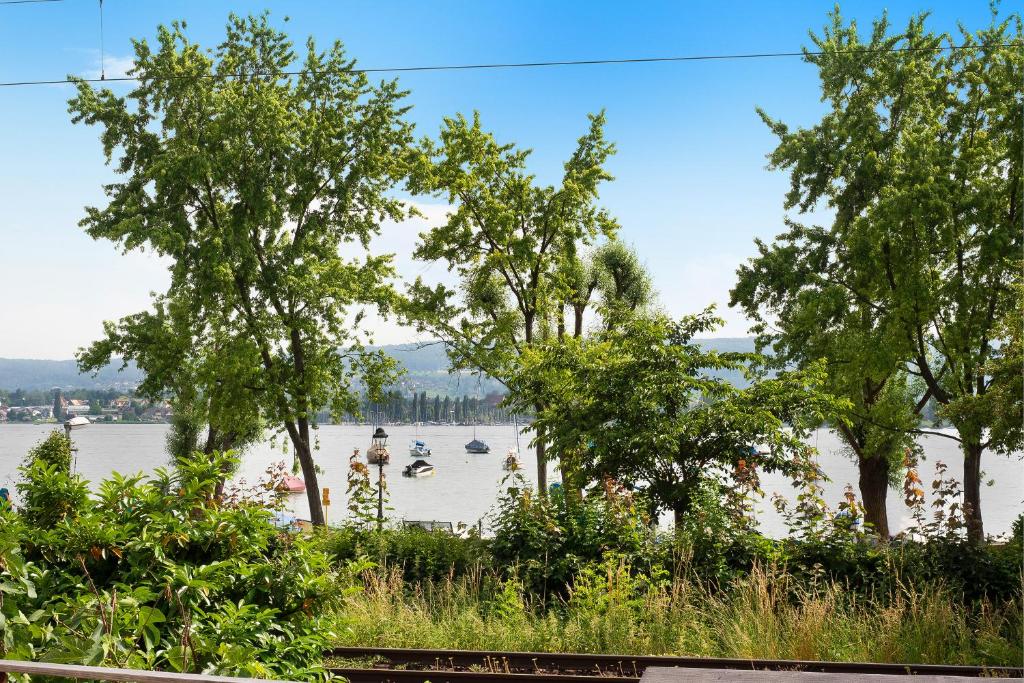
(380, 440)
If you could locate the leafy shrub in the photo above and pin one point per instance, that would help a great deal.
(49, 493)
(160, 574)
(547, 541)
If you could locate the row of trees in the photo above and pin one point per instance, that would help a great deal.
(255, 183)
(397, 407)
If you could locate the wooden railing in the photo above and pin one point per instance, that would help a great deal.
(101, 673)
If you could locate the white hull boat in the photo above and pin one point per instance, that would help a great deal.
(420, 468)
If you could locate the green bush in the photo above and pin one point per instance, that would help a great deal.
(158, 574)
(547, 541)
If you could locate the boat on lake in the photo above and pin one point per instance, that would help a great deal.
(378, 455)
(420, 468)
(293, 484)
(418, 448)
(477, 446)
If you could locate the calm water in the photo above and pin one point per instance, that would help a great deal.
(465, 486)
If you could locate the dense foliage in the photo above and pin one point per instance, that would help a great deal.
(917, 158)
(641, 404)
(160, 574)
(249, 167)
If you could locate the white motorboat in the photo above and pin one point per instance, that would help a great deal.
(420, 468)
(418, 448)
(76, 422)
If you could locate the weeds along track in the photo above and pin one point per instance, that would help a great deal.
(399, 665)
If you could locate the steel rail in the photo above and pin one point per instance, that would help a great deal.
(444, 676)
(624, 667)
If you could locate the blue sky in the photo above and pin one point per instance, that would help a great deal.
(691, 189)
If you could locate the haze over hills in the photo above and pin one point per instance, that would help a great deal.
(426, 370)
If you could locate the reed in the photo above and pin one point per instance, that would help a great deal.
(765, 615)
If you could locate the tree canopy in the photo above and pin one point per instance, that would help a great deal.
(251, 169)
(508, 238)
(918, 159)
(641, 404)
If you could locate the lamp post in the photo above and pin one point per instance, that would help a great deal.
(380, 440)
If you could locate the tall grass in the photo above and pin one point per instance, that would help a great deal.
(765, 615)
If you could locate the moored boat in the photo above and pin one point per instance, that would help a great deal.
(477, 446)
(378, 454)
(420, 468)
(418, 448)
(292, 484)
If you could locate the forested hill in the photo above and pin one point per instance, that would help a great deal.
(30, 374)
(426, 370)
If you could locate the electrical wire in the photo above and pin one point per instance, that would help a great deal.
(528, 65)
(25, 2)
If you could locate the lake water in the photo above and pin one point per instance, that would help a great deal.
(465, 486)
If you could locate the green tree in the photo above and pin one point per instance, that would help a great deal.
(506, 238)
(803, 316)
(251, 181)
(622, 282)
(58, 405)
(918, 158)
(639, 404)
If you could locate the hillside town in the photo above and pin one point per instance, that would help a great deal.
(118, 409)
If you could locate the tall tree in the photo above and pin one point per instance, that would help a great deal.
(58, 405)
(622, 282)
(506, 237)
(1003, 404)
(918, 158)
(250, 169)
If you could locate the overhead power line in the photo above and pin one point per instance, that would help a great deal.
(25, 2)
(531, 65)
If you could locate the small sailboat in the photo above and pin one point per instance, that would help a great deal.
(418, 448)
(477, 446)
(378, 454)
(420, 468)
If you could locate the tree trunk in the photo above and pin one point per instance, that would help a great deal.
(874, 486)
(678, 514)
(972, 490)
(305, 455)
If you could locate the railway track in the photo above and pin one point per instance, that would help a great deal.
(399, 665)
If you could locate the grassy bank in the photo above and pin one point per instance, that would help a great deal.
(765, 615)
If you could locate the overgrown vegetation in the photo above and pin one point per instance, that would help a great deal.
(589, 575)
(765, 614)
(158, 573)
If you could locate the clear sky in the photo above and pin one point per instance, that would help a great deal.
(691, 189)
